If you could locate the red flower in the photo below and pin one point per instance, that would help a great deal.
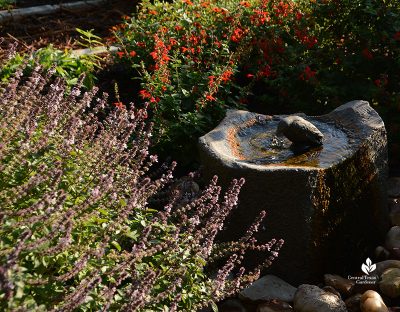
(144, 94)
(119, 105)
(153, 12)
(211, 80)
(246, 4)
(250, 76)
(299, 16)
(307, 74)
(188, 2)
(226, 75)
(265, 72)
(209, 97)
(153, 55)
(120, 54)
(367, 54)
(132, 53)
(154, 100)
(237, 34)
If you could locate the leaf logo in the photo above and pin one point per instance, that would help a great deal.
(368, 267)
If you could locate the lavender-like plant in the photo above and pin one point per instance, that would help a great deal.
(77, 231)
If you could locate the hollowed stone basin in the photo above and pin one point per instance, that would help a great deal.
(328, 203)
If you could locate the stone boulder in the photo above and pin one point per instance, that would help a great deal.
(371, 301)
(392, 241)
(300, 131)
(390, 283)
(267, 288)
(312, 199)
(310, 298)
(343, 285)
(382, 266)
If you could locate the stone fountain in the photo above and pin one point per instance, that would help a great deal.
(325, 197)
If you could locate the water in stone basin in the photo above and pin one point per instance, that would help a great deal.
(260, 145)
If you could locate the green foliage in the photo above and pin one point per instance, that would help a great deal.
(6, 4)
(65, 64)
(187, 55)
(77, 232)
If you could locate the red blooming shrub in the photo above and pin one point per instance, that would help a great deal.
(189, 56)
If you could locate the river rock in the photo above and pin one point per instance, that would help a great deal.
(390, 283)
(332, 290)
(394, 187)
(267, 288)
(343, 285)
(392, 241)
(311, 205)
(310, 298)
(353, 303)
(382, 266)
(371, 301)
(274, 306)
(300, 131)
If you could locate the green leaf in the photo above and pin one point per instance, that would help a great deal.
(214, 307)
(116, 245)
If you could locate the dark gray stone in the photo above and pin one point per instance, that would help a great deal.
(316, 208)
(267, 288)
(392, 241)
(300, 131)
(310, 298)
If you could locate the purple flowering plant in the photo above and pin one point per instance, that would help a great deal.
(79, 231)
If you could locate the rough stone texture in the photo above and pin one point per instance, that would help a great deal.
(267, 288)
(392, 241)
(232, 305)
(353, 303)
(390, 283)
(310, 298)
(343, 285)
(312, 209)
(371, 301)
(274, 306)
(300, 131)
(332, 290)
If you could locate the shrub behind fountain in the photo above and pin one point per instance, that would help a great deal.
(328, 203)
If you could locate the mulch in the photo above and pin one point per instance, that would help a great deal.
(59, 29)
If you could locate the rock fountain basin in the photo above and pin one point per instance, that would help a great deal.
(327, 202)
